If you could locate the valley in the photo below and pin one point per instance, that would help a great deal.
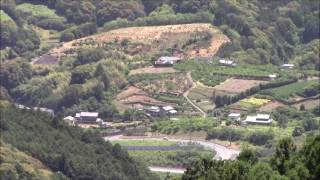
(159, 90)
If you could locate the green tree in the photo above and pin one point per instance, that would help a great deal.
(284, 151)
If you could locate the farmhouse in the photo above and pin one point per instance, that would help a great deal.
(263, 119)
(234, 116)
(160, 111)
(169, 110)
(166, 61)
(226, 62)
(153, 110)
(287, 66)
(87, 117)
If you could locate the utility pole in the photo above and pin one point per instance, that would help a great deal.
(189, 130)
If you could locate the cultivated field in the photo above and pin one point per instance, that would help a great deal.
(308, 104)
(237, 85)
(202, 97)
(268, 107)
(154, 35)
(133, 95)
(176, 84)
(153, 70)
(290, 90)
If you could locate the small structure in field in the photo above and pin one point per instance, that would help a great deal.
(272, 76)
(287, 66)
(166, 61)
(88, 117)
(20, 106)
(45, 110)
(234, 116)
(263, 119)
(226, 62)
(70, 120)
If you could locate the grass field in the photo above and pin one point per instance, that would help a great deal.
(11, 156)
(284, 92)
(239, 70)
(4, 17)
(184, 124)
(38, 10)
(169, 158)
(167, 176)
(201, 96)
(144, 143)
(257, 102)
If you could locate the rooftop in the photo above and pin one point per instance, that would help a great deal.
(167, 108)
(224, 61)
(263, 116)
(169, 58)
(89, 114)
(234, 115)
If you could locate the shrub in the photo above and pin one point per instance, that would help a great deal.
(260, 138)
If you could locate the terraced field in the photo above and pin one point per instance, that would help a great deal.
(150, 35)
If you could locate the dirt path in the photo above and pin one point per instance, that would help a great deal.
(185, 94)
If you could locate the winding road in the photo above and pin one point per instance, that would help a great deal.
(185, 94)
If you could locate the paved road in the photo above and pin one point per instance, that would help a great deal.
(222, 152)
(167, 169)
(185, 94)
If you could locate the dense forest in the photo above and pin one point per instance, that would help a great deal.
(62, 148)
(286, 163)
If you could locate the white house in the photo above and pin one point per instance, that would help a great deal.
(264, 119)
(234, 116)
(287, 66)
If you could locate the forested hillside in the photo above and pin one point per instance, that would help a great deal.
(69, 150)
(286, 163)
(261, 31)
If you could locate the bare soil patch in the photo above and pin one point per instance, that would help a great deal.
(309, 104)
(131, 90)
(133, 96)
(153, 70)
(271, 106)
(153, 35)
(237, 85)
